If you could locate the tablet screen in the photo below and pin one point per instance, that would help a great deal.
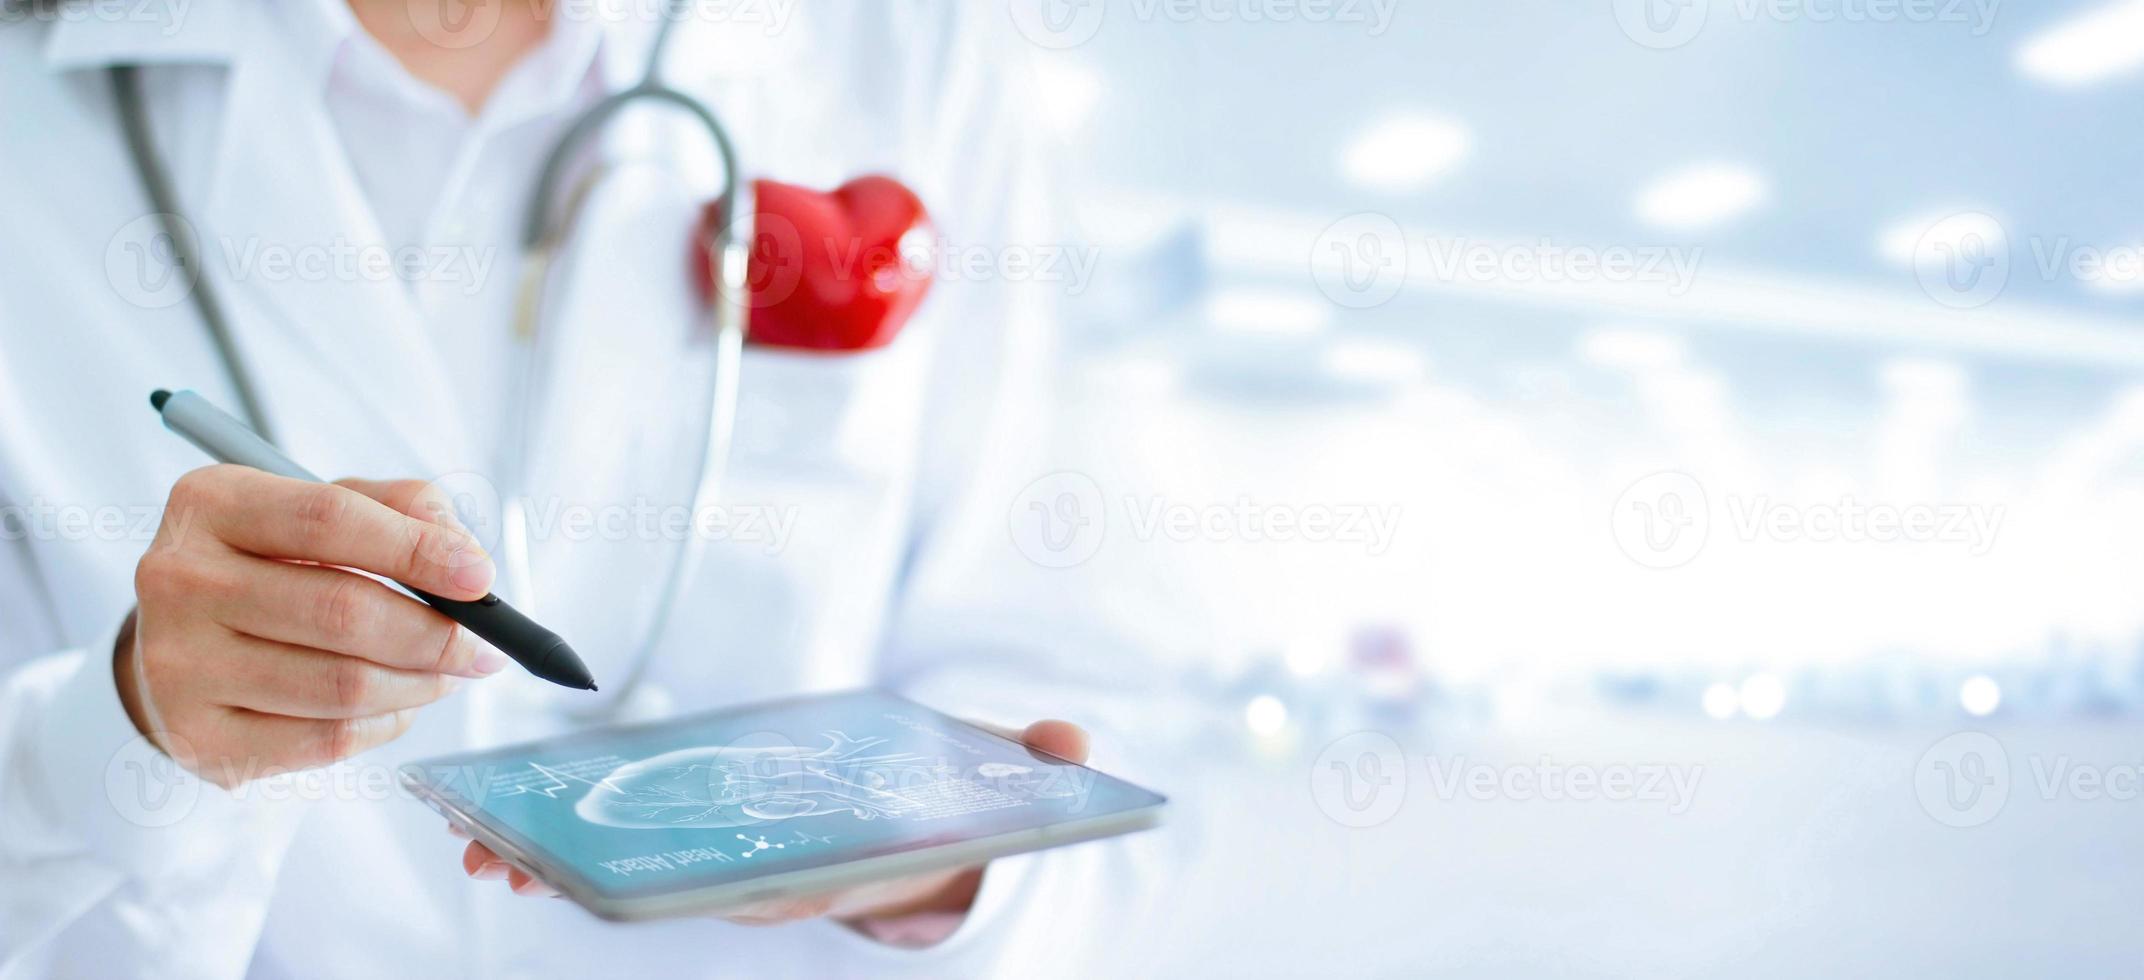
(744, 793)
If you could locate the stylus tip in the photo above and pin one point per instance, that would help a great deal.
(561, 666)
(157, 399)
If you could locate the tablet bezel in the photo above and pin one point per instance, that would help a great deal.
(535, 860)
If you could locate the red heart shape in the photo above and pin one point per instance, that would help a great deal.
(839, 271)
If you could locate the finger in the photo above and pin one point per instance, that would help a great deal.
(295, 682)
(416, 498)
(307, 743)
(332, 609)
(480, 863)
(1062, 739)
(1059, 738)
(456, 830)
(781, 910)
(908, 895)
(522, 884)
(277, 517)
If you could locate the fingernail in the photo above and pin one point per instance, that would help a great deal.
(470, 570)
(468, 656)
(488, 662)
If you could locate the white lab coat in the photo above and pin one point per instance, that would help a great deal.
(871, 453)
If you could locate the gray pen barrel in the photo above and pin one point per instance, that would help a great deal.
(225, 439)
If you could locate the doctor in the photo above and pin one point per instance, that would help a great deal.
(355, 171)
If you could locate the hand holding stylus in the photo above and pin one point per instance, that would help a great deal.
(253, 649)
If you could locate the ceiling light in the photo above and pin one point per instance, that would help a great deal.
(1762, 696)
(1266, 311)
(1632, 350)
(1980, 695)
(1904, 242)
(1405, 153)
(2105, 43)
(1069, 92)
(1721, 702)
(1265, 715)
(1701, 196)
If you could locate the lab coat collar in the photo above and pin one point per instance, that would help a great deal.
(100, 34)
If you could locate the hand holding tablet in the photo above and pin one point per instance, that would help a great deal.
(945, 891)
(853, 805)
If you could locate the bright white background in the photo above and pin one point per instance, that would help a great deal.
(1642, 519)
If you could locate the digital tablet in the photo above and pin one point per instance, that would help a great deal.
(771, 801)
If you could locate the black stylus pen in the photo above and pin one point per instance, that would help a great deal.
(229, 441)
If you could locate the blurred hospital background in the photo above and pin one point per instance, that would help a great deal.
(1573, 488)
(1738, 390)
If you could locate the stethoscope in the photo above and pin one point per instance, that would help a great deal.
(545, 232)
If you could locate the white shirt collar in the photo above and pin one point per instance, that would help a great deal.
(553, 75)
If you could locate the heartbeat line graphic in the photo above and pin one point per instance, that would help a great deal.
(556, 781)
